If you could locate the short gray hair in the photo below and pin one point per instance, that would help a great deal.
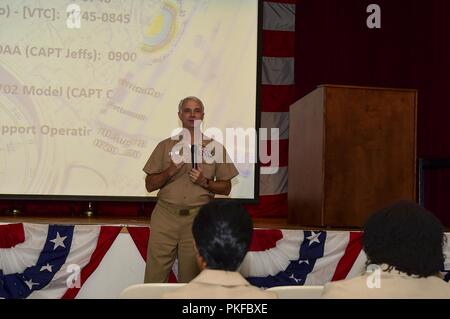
(190, 98)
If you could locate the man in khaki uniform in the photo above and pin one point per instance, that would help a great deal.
(222, 233)
(183, 190)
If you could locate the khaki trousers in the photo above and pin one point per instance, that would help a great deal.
(171, 237)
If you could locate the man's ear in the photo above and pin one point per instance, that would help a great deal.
(200, 260)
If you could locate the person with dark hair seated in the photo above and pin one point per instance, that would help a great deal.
(222, 235)
(404, 248)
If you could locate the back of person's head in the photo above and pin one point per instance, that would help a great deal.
(222, 233)
(406, 237)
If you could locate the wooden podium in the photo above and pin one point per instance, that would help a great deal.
(352, 150)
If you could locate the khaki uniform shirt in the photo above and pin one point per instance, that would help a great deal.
(219, 284)
(179, 190)
(389, 285)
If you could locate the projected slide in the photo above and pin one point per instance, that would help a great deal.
(89, 87)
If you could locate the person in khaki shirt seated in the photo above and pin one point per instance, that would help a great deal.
(183, 189)
(222, 233)
(404, 247)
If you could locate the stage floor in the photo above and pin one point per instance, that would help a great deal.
(272, 223)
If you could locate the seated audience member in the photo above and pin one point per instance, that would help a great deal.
(404, 248)
(222, 235)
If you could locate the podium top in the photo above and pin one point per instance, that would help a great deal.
(364, 87)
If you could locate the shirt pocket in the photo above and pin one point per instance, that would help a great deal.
(209, 170)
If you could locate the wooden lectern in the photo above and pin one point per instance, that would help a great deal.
(352, 150)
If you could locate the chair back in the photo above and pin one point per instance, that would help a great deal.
(148, 291)
(297, 292)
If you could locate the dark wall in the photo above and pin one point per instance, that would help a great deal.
(411, 50)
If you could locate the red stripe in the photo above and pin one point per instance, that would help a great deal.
(351, 253)
(269, 206)
(283, 146)
(11, 235)
(105, 239)
(277, 98)
(264, 239)
(172, 278)
(278, 43)
(140, 237)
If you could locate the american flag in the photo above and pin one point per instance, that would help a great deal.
(55, 261)
(277, 94)
(50, 261)
(298, 257)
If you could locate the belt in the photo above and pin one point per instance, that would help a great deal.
(182, 211)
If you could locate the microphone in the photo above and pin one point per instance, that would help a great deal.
(193, 156)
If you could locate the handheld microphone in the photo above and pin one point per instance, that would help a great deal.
(193, 156)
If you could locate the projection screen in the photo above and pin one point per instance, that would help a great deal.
(88, 88)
